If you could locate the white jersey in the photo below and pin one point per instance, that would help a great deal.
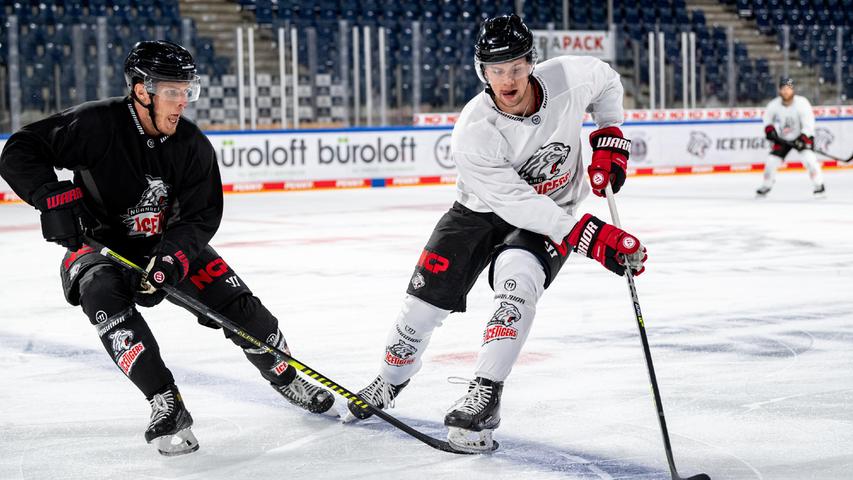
(528, 170)
(790, 120)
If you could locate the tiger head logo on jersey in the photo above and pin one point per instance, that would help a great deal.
(543, 170)
(399, 354)
(147, 217)
(500, 326)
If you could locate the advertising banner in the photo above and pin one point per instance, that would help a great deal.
(341, 158)
(554, 43)
(698, 141)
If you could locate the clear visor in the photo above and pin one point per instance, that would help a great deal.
(492, 72)
(500, 71)
(174, 90)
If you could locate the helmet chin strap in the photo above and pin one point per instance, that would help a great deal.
(149, 107)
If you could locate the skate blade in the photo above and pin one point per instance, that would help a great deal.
(181, 443)
(470, 441)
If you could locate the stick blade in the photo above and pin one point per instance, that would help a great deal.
(701, 476)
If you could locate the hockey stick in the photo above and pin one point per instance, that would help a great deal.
(819, 152)
(191, 303)
(611, 202)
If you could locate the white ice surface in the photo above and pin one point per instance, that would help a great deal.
(748, 306)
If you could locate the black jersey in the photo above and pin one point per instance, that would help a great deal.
(142, 190)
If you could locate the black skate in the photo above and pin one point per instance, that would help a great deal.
(762, 192)
(379, 393)
(473, 418)
(306, 395)
(819, 191)
(170, 423)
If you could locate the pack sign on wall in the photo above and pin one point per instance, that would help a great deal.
(553, 43)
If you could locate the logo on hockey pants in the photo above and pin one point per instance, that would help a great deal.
(418, 281)
(213, 270)
(433, 262)
(125, 350)
(399, 354)
(500, 326)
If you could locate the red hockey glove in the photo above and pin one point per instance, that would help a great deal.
(610, 152)
(610, 245)
(61, 207)
(166, 269)
(804, 142)
(771, 134)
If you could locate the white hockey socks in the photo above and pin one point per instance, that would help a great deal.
(519, 281)
(770, 166)
(408, 339)
(813, 166)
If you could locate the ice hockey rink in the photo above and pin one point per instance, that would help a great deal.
(748, 306)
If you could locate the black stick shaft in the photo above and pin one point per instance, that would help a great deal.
(641, 326)
(202, 309)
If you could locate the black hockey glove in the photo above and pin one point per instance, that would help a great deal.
(771, 134)
(62, 213)
(166, 268)
(803, 142)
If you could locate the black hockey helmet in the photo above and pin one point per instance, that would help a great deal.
(502, 39)
(160, 60)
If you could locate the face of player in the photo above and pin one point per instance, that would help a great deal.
(169, 103)
(510, 82)
(787, 93)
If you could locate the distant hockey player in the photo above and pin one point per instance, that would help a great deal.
(518, 154)
(789, 124)
(146, 184)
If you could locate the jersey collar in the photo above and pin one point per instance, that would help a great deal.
(150, 141)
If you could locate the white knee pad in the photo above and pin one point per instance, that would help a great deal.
(519, 282)
(408, 339)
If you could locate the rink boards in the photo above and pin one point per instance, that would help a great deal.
(662, 144)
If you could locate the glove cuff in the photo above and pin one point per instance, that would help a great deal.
(56, 195)
(584, 234)
(611, 139)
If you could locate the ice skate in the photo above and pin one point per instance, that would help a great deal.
(820, 191)
(474, 417)
(379, 393)
(762, 192)
(169, 428)
(305, 395)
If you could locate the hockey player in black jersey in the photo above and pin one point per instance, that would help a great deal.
(146, 184)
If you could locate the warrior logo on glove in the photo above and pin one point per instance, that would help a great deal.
(610, 152)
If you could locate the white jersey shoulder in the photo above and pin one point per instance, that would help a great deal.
(790, 120)
(528, 170)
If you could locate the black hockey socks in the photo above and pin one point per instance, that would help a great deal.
(106, 299)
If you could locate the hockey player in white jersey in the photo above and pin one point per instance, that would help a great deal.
(520, 178)
(789, 124)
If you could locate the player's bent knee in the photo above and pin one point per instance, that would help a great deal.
(421, 314)
(251, 315)
(517, 270)
(104, 292)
